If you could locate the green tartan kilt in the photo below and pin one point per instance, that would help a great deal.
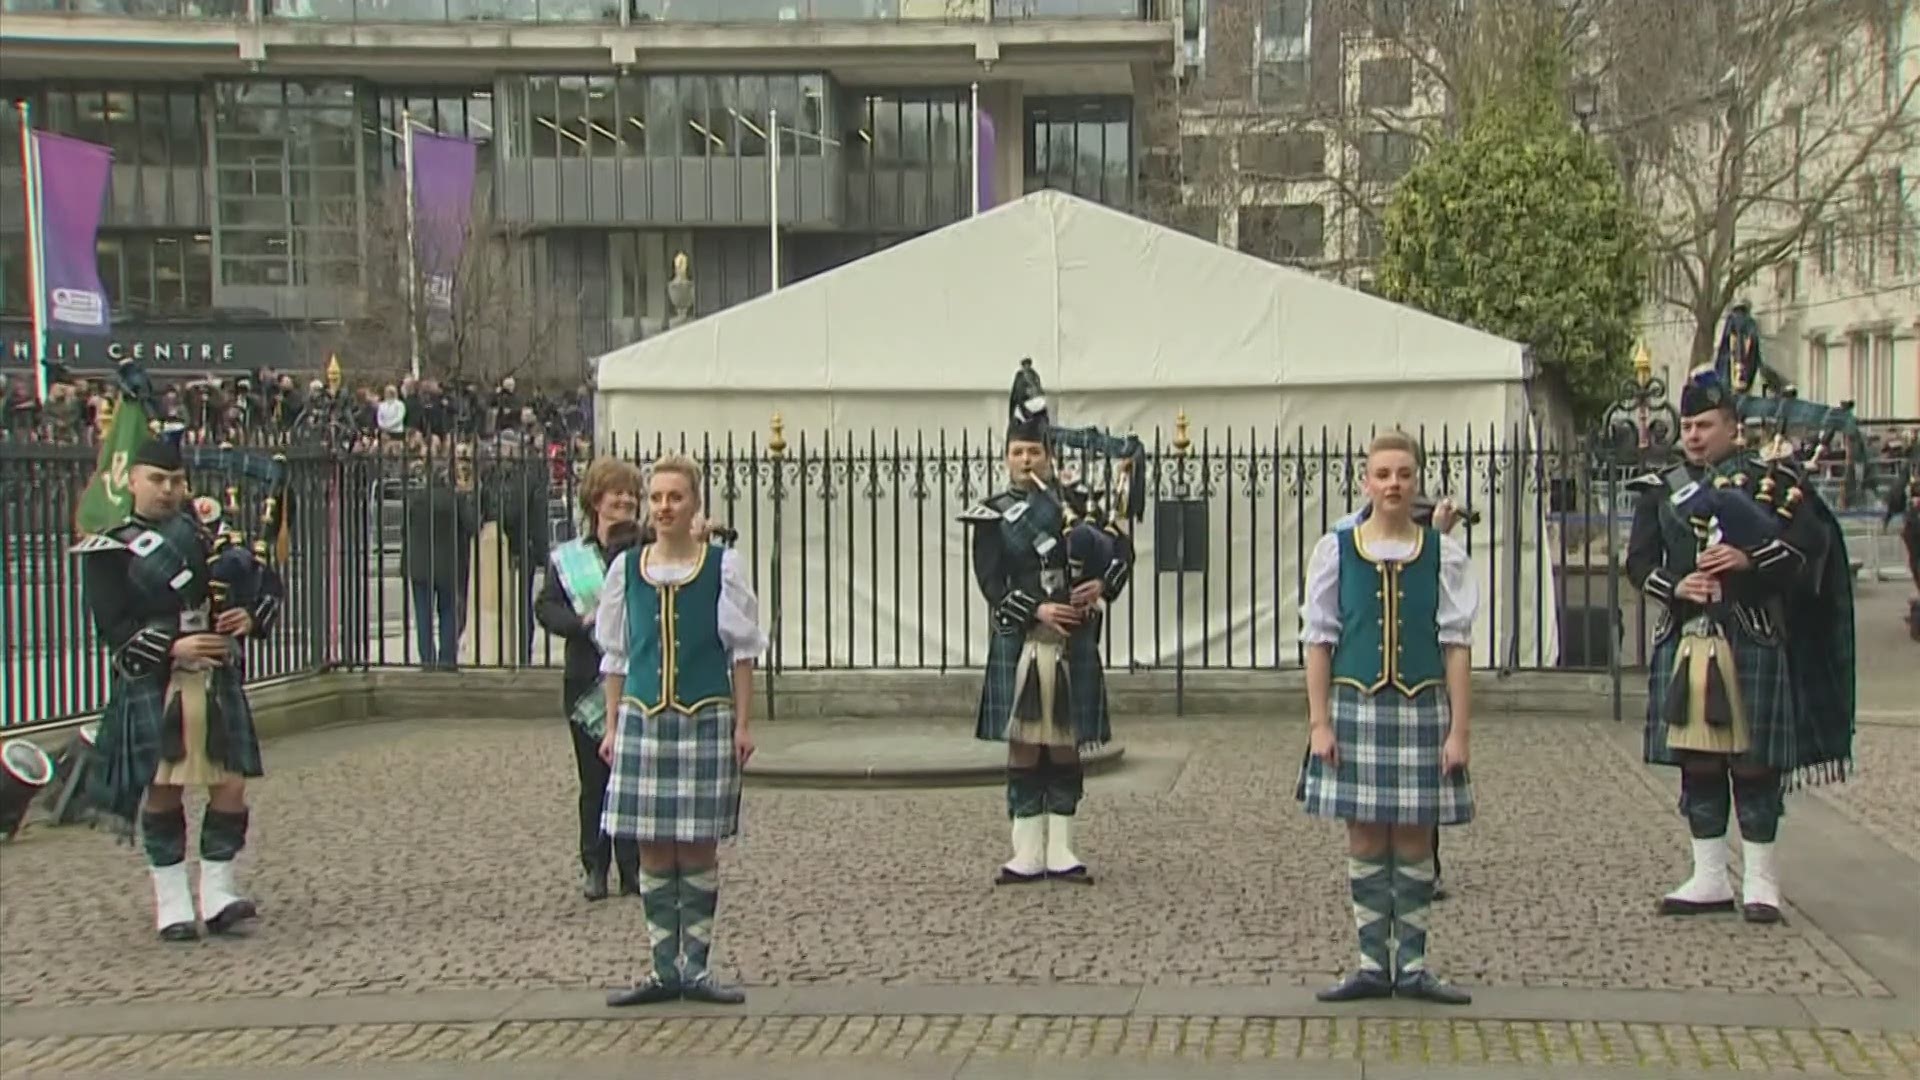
(1766, 688)
(127, 748)
(1087, 701)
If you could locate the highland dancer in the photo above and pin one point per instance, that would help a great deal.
(678, 625)
(1750, 682)
(176, 715)
(1047, 558)
(610, 495)
(1389, 617)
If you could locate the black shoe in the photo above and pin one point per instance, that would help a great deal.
(1424, 986)
(651, 990)
(702, 987)
(595, 887)
(228, 919)
(1761, 913)
(1078, 875)
(1439, 892)
(1010, 876)
(1672, 906)
(180, 931)
(1359, 986)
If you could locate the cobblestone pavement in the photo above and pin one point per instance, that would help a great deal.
(1884, 796)
(437, 855)
(1668, 1047)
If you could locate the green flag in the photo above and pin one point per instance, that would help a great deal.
(106, 501)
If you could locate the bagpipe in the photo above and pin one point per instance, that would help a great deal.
(1097, 520)
(1777, 411)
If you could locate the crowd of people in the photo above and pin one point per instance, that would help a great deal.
(265, 408)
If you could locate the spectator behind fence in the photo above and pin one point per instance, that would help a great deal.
(440, 525)
(391, 414)
(519, 492)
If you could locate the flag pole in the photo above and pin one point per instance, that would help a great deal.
(773, 186)
(36, 247)
(974, 112)
(413, 284)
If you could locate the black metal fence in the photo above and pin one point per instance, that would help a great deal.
(854, 549)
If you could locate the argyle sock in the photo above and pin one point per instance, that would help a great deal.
(1412, 899)
(699, 899)
(222, 834)
(1757, 800)
(164, 835)
(1370, 881)
(660, 899)
(1706, 801)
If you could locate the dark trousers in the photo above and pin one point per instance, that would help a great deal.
(434, 604)
(596, 850)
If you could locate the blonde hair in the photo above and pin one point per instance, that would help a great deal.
(1395, 440)
(682, 466)
(608, 476)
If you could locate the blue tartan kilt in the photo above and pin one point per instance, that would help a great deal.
(674, 777)
(1766, 689)
(1389, 762)
(1087, 703)
(127, 747)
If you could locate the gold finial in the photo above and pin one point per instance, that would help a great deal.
(334, 375)
(1180, 440)
(777, 445)
(1642, 365)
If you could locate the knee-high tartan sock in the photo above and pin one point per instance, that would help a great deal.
(699, 899)
(1759, 806)
(660, 898)
(1412, 900)
(1706, 801)
(163, 833)
(222, 834)
(1370, 881)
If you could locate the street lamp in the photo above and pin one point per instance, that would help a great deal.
(1586, 103)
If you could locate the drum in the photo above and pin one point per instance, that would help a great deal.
(25, 770)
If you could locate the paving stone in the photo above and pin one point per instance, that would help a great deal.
(437, 856)
(1882, 796)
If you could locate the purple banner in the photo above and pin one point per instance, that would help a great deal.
(443, 173)
(985, 160)
(72, 181)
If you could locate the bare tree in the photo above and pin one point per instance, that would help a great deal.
(499, 320)
(1751, 128)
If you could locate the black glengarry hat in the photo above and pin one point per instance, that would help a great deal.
(1705, 391)
(1027, 419)
(159, 454)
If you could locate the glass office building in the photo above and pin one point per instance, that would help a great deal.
(259, 198)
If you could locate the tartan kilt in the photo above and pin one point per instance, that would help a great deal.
(674, 777)
(1390, 762)
(128, 743)
(1087, 702)
(1766, 689)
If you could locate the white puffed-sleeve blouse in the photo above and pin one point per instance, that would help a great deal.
(739, 610)
(1459, 594)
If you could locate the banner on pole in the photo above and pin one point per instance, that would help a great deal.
(106, 502)
(70, 180)
(984, 161)
(442, 187)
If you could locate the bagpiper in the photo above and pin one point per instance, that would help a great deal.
(174, 606)
(1751, 677)
(1048, 555)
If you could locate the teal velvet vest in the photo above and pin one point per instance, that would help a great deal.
(675, 658)
(1389, 618)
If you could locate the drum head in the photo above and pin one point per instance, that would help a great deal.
(27, 763)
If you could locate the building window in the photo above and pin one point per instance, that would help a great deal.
(1825, 253)
(1859, 370)
(1386, 84)
(466, 114)
(1287, 234)
(1388, 17)
(1296, 155)
(1819, 375)
(1201, 156)
(157, 133)
(1372, 241)
(1083, 146)
(1385, 156)
(1282, 44)
(607, 117)
(909, 159)
(1878, 400)
(286, 159)
(150, 274)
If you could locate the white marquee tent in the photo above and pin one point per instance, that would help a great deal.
(1128, 324)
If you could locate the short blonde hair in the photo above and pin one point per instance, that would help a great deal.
(682, 466)
(1394, 440)
(608, 476)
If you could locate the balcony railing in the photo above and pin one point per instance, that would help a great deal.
(590, 12)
